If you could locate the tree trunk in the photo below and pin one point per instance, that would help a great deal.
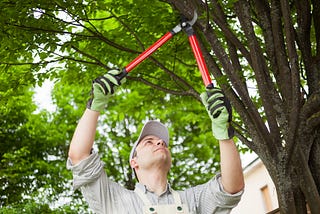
(295, 181)
(314, 161)
(285, 186)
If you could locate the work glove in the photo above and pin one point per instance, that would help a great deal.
(103, 87)
(220, 113)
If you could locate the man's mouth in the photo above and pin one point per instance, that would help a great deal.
(160, 149)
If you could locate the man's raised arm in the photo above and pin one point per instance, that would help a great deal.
(82, 141)
(83, 137)
(220, 113)
(231, 169)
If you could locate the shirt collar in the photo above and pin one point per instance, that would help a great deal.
(145, 189)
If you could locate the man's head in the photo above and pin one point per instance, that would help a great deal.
(151, 147)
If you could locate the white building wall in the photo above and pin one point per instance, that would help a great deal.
(253, 201)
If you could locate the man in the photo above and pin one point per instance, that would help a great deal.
(150, 160)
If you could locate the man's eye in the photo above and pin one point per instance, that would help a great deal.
(147, 142)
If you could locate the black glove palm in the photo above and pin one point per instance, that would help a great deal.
(103, 87)
(220, 113)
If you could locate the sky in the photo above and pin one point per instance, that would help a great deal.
(42, 96)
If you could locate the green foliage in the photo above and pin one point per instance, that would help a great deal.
(33, 207)
(33, 148)
(28, 208)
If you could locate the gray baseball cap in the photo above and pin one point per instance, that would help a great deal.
(151, 127)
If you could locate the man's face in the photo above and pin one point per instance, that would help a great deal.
(153, 152)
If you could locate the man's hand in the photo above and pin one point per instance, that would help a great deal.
(102, 88)
(220, 113)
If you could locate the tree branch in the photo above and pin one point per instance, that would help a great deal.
(223, 24)
(185, 85)
(303, 34)
(232, 42)
(166, 90)
(242, 102)
(130, 30)
(97, 61)
(31, 63)
(265, 85)
(316, 22)
(295, 78)
(264, 21)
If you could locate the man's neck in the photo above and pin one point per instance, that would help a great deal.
(155, 182)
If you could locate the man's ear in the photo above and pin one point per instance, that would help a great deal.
(133, 163)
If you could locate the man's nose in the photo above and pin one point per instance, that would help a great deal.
(161, 142)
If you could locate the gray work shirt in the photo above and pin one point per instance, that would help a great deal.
(106, 196)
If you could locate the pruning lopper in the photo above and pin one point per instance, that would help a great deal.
(187, 27)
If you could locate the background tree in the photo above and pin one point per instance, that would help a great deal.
(263, 54)
(72, 43)
(32, 149)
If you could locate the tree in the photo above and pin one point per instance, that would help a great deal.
(274, 45)
(32, 149)
(270, 46)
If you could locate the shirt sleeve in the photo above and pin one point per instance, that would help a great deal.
(211, 197)
(98, 190)
(226, 199)
(86, 171)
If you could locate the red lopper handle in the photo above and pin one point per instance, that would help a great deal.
(200, 60)
(149, 51)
